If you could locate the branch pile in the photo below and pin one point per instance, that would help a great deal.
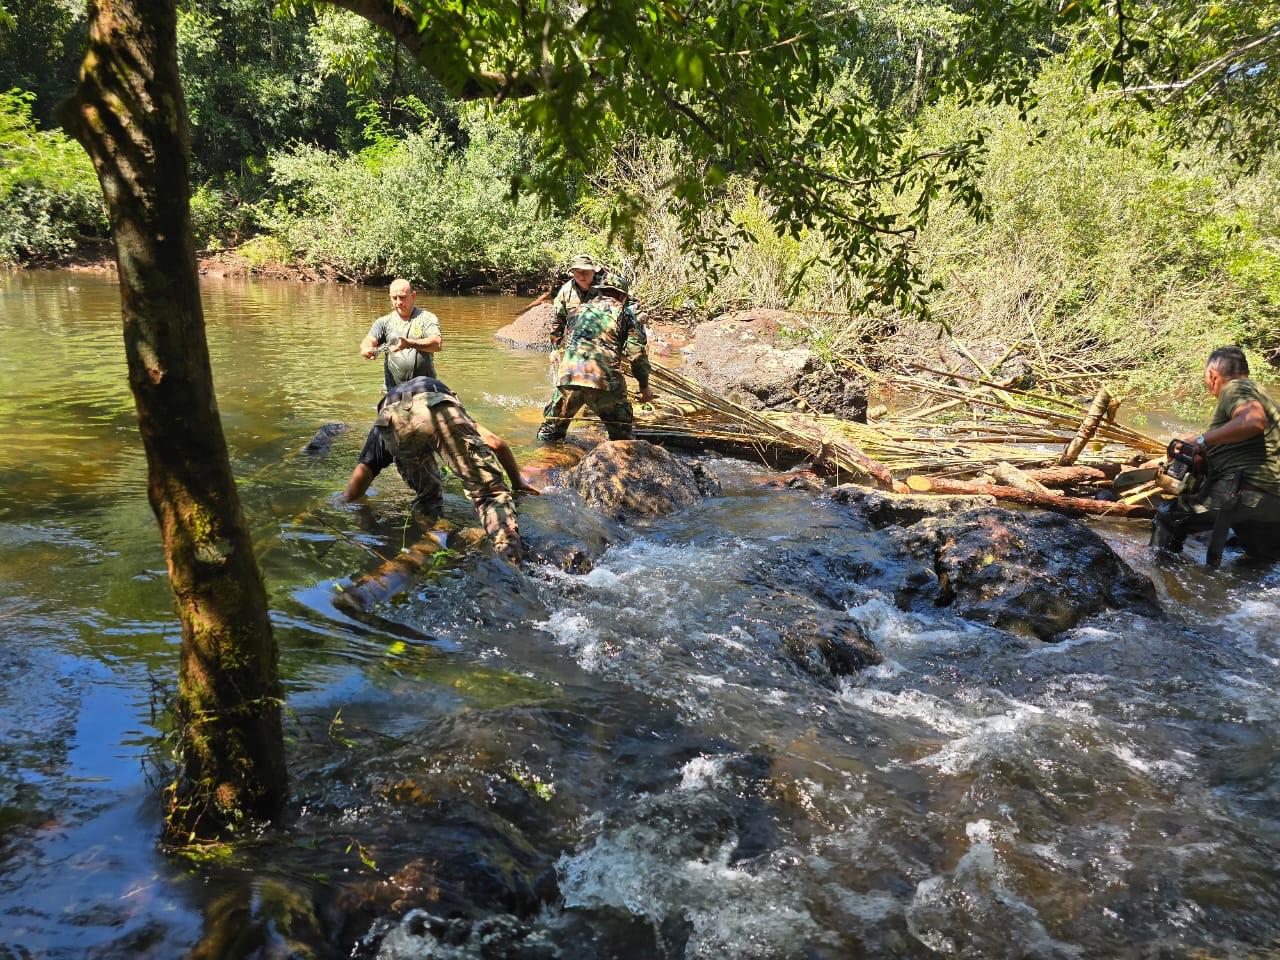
(986, 435)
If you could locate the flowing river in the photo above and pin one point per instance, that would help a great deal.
(614, 765)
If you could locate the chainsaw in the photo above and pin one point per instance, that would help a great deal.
(1184, 468)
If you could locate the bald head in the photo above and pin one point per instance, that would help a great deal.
(402, 297)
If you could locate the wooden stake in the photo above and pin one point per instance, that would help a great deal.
(1088, 427)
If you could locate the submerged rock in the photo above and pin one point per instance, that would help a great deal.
(883, 509)
(1032, 574)
(742, 356)
(821, 641)
(322, 441)
(625, 479)
(270, 917)
(421, 934)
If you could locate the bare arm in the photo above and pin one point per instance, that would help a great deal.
(431, 344)
(508, 460)
(1249, 420)
(368, 346)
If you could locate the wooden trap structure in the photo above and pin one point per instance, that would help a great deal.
(964, 435)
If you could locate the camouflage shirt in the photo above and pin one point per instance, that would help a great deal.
(599, 333)
(569, 303)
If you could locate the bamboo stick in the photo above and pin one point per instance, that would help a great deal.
(1088, 427)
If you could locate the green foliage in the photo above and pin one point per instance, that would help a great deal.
(40, 50)
(762, 265)
(1099, 249)
(1206, 71)
(745, 89)
(263, 251)
(210, 209)
(49, 197)
(415, 207)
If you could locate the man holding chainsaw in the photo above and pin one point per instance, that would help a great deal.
(1236, 466)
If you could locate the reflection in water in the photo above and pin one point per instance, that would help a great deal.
(624, 764)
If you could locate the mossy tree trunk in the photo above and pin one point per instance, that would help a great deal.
(129, 113)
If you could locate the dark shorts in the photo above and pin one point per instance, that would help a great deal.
(376, 455)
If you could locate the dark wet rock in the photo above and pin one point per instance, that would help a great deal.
(881, 509)
(625, 479)
(531, 330)
(821, 641)
(706, 479)
(561, 532)
(562, 551)
(798, 479)
(1032, 574)
(321, 443)
(743, 356)
(471, 867)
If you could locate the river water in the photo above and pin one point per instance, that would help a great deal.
(618, 764)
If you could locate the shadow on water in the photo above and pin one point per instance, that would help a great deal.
(627, 763)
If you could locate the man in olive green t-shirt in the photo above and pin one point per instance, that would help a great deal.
(410, 334)
(1242, 449)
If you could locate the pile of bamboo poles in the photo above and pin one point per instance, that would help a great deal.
(993, 438)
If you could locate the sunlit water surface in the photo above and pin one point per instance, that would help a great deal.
(614, 765)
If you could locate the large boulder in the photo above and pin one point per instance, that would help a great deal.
(1032, 574)
(743, 356)
(530, 330)
(624, 479)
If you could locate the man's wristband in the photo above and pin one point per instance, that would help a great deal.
(1200, 441)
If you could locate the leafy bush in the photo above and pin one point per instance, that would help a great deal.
(1096, 249)
(263, 251)
(1103, 249)
(49, 196)
(763, 266)
(415, 207)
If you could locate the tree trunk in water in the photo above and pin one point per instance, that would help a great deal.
(130, 115)
(1072, 506)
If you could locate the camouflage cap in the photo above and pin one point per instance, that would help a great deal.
(612, 280)
(583, 261)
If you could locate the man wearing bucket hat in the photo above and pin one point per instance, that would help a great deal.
(598, 330)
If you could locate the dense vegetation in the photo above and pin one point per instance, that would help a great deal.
(1109, 206)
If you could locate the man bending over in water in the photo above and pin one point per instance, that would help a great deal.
(421, 421)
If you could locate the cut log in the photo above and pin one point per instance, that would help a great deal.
(1072, 506)
(1066, 476)
(398, 574)
(1101, 406)
(1011, 476)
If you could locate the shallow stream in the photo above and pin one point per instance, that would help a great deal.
(618, 765)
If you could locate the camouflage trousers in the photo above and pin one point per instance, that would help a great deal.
(611, 406)
(445, 430)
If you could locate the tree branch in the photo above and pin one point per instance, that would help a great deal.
(398, 21)
(1175, 88)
